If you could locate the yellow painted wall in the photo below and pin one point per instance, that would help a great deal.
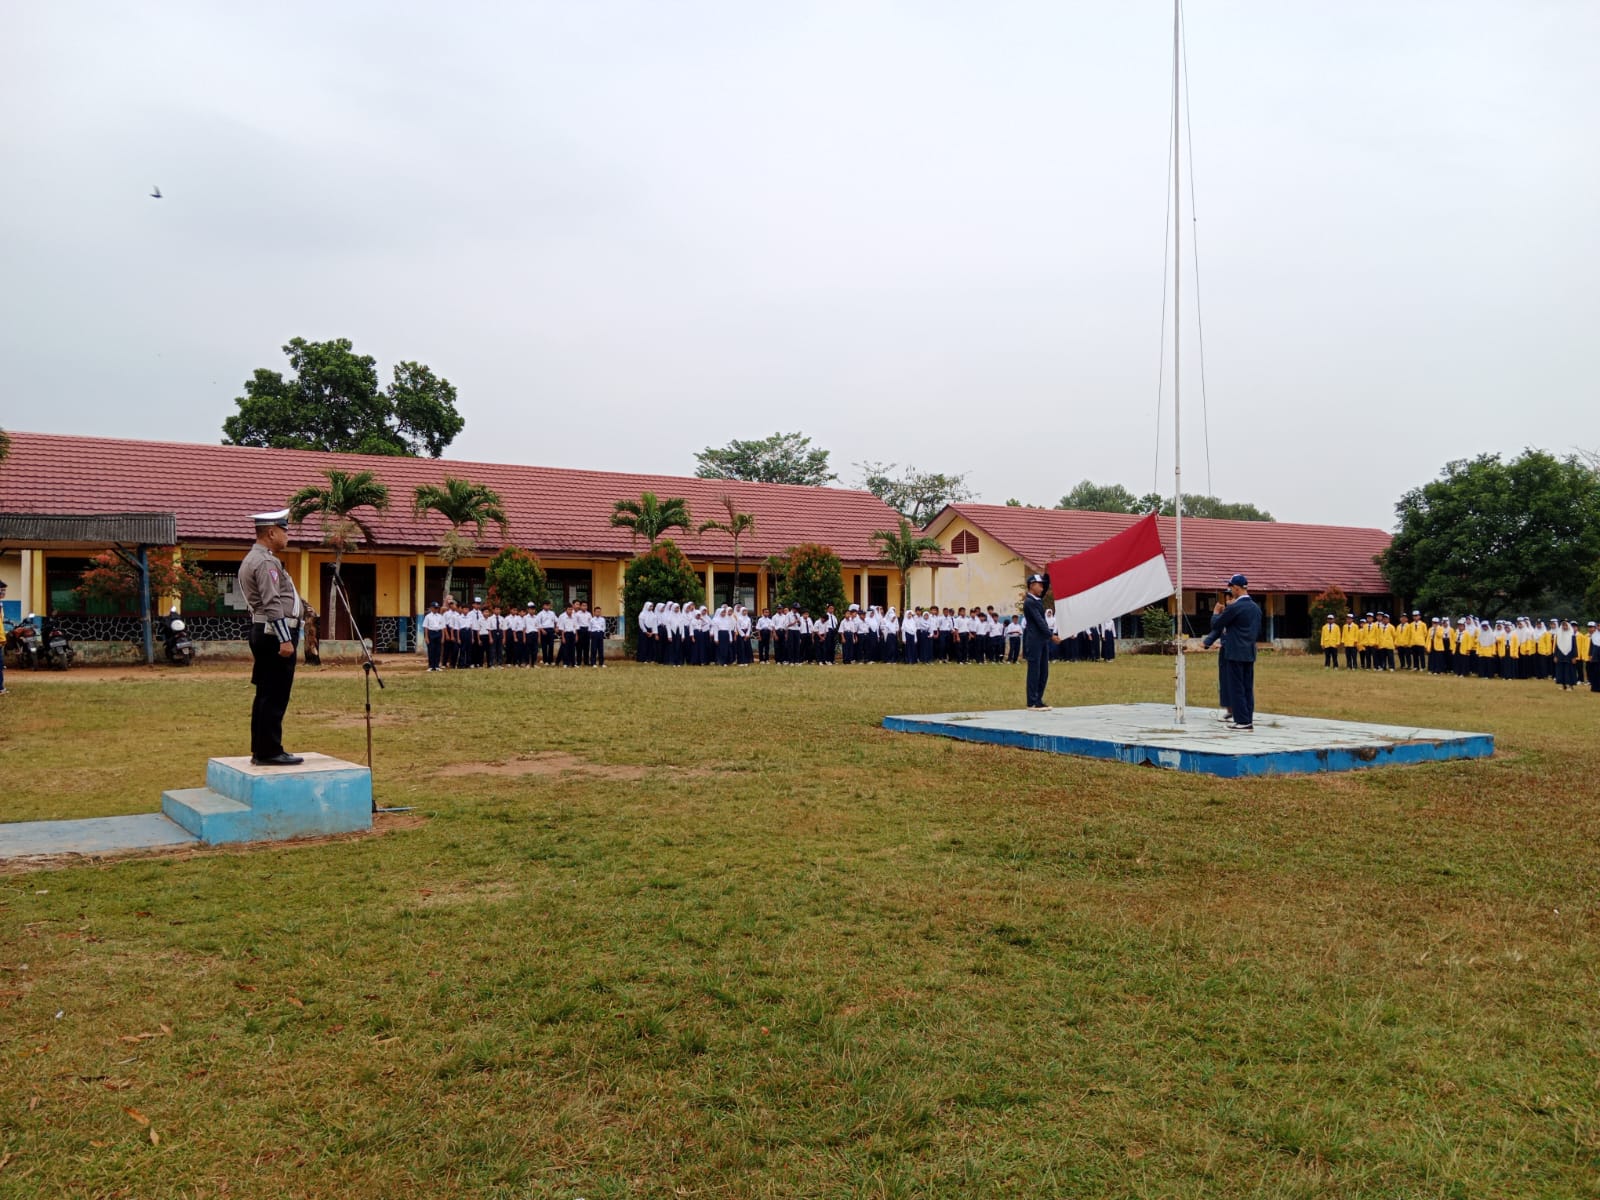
(994, 575)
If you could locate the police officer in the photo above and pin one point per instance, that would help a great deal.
(1036, 642)
(275, 626)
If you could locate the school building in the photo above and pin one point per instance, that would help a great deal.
(995, 546)
(50, 482)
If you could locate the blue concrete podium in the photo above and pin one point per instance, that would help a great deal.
(246, 803)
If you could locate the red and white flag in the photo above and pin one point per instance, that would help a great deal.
(1121, 574)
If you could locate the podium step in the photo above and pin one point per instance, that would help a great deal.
(246, 803)
(210, 817)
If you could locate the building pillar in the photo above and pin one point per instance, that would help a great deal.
(866, 592)
(933, 586)
(305, 577)
(620, 605)
(711, 583)
(419, 593)
(761, 588)
(25, 584)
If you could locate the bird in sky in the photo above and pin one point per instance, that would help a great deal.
(156, 195)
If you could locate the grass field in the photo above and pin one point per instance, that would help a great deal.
(706, 933)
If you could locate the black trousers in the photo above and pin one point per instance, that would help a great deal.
(273, 676)
(1241, 691)
(1038, 652)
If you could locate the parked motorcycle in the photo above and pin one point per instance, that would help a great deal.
(24, 645)
(58, 651)
(179, 645)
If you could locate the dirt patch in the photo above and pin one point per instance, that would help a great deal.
(550, 765)
(557, 764)
(457, 894)
(382, 823)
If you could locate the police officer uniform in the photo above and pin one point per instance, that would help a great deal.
(274, 631)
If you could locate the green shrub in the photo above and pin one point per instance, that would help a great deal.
(812, 578)
(514, 577)
(659, 575)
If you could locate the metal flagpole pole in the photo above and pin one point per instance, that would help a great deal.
(1177, 409)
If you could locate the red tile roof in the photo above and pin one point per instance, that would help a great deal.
(553, 512)
(1277, 556)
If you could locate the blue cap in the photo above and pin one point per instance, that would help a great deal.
(1238, 581)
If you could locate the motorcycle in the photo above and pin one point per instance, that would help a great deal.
(23, 643)
(179, 645)
(58, 651)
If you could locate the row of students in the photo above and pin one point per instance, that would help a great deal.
(1558, 650)
(693, 635)
(458, 637)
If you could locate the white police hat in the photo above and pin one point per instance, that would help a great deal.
(279, 518)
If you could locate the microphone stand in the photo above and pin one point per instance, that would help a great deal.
(369, 672)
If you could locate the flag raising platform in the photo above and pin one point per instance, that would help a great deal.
(1145, 735)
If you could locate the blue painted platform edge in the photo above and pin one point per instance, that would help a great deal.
(1201, 762)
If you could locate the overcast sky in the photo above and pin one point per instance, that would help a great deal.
(923, 232)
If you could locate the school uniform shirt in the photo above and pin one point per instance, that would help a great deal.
(434, 622)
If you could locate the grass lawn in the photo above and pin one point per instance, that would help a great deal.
(716, 933)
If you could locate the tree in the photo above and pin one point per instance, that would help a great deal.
(1159, 628)
(333, 402)
(781, 458)
(1487, 537)
(461, 502)
(1330, 600)
(1100, 497)
(1089, 496)
(336, 505)
(916, 495)
(113, 577)
(5, 445)
(736, 526)
(1222, 510)
(660, 575)
(811, 577)
(904, 548)
(650, 517)
(514, 577)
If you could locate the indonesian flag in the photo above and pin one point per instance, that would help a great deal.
(1121, 574)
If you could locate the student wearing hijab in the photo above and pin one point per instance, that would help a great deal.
(1564, 651)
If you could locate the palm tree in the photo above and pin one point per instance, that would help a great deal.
(461, 502)
(904, 548)
(650, 517)
(736, 526)
(337, 504)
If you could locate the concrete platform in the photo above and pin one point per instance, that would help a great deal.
(92, 836)
(1144, 734)
(240, 803)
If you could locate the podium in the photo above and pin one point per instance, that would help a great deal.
(242, 802)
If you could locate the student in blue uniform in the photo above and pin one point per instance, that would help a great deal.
(1237, 625)
(1036, 641)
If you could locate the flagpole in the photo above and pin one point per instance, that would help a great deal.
(1177, 420)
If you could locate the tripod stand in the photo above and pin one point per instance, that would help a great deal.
(369, 672)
